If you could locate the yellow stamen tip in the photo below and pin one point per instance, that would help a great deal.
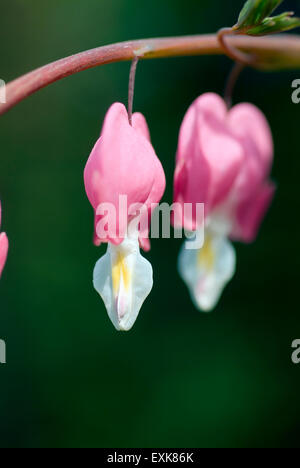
(120, 273)
(206, 255)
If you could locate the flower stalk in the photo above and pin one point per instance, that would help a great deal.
(232, 52)
(272, 53)
(131, 87)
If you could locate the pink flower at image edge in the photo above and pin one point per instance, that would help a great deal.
(3, 248)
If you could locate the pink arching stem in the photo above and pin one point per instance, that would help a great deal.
(273, 53)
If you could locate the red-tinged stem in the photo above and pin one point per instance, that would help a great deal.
(277, 52)
(131, 87)
(233, 52)
(231, 82)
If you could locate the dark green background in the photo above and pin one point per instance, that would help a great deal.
(179, 378)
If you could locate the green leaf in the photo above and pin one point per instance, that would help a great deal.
(255, 11)
(275, 25)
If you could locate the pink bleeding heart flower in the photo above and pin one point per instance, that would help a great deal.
(3, 247)
(224, 160)
(209, 157)
(124, 181)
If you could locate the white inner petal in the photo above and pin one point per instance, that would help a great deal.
(124, 279)
(207, 271)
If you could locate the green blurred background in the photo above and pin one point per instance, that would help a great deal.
(179, 378)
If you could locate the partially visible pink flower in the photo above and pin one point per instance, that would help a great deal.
(224, 160)
(3, 247)
(253, 191)
(123, 163)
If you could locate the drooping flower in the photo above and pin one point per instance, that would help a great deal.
(124, 181)
(3, 247)
(224, 160)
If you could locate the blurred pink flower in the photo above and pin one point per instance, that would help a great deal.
(123, 163)
(3, 247)
(224, 159)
